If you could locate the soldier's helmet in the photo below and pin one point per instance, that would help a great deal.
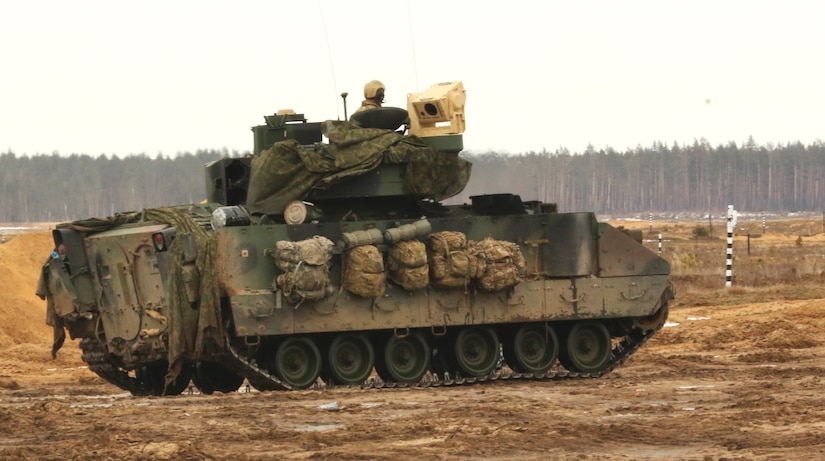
(374, 90)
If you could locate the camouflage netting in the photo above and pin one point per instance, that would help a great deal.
(286, 171)
(189, 328)
(103, 224)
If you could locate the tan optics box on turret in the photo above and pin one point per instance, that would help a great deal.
(437, 111)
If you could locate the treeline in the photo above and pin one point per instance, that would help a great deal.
(686, 178)
(692, 178)
(53, 188)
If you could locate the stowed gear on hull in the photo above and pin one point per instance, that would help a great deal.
(319, 264)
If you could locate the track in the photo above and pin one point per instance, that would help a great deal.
(623, 350)
(97, 359)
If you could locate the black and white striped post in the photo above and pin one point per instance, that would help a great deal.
(660, 244)
(763, 223)
(650, 222)
(729, 265)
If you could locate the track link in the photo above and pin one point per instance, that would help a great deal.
(95, 355)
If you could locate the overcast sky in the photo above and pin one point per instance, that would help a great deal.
(116, 77)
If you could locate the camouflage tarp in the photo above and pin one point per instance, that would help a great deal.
(287, 171)
(103, 224)
(190, 328)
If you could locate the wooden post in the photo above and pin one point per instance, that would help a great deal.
(729, 264)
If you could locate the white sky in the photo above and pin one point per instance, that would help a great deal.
(153, 77)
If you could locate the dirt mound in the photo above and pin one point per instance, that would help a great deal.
(23, 314)
(25, 339)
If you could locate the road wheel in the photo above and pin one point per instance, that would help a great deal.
(477, 350)
(533, 349)
(298, 362)
(350, 359)
(210, 377)
(586, 348)
(152, 379)
(404, 359)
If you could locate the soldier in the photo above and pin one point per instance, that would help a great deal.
(52, 319)
(374, 96)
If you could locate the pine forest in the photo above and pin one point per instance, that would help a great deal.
(662, 179)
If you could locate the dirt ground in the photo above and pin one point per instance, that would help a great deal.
(724, 380)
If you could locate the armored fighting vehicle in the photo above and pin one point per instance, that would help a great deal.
(323, 262)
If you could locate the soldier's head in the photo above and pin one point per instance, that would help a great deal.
(374, 90)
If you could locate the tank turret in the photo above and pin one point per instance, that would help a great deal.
(386, 162)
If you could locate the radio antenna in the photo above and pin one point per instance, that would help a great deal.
(331, 64)
(412, 46)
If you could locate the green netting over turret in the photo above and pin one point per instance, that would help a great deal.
(287, 171)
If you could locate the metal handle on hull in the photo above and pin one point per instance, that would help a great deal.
(632, 298)
(574, 300)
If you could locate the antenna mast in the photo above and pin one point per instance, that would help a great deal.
(331, 64)
(412, 45)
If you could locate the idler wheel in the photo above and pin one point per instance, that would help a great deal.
(477, 350)
(210, 377)
(298, 362)
(586, 348)
(350, 359)
(653, 322)
(405, 359)
(533, 349)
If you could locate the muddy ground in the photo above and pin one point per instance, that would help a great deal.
(726, 381)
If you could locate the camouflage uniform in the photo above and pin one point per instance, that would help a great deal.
(368, 104)
(52, 319)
